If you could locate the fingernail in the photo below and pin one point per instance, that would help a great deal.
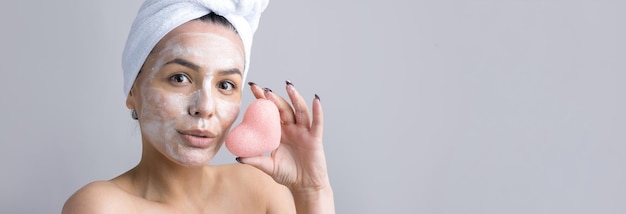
(288, 82)
(267, 89)
(238, 159)
(251, 83)
(317, 97)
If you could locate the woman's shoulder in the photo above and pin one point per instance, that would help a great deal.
(97, 197)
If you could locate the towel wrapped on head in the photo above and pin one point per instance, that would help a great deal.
(156, 18)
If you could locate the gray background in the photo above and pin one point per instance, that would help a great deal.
(488, 106)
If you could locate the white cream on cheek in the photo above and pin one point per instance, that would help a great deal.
(164, 112)
(158, 122)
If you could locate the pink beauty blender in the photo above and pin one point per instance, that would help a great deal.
(259, 131)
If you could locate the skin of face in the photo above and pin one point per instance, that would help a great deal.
(188, 92)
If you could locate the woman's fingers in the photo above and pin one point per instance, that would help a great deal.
(285, 110)
(264, 163)
(317, 128)
(256, 90)
(301, 111)
(298, 114)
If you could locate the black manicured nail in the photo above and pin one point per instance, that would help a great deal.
(238, 159)
(288, 82)
(251, 83)
(317, 97)
(267, 89)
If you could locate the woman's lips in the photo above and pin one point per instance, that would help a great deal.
(197, 139)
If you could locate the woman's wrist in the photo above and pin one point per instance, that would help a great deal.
(314, 200)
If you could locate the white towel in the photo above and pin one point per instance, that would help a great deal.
(156, 18)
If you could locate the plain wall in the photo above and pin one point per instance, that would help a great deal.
(490, 106)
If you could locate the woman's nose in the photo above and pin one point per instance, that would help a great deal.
(202, 104)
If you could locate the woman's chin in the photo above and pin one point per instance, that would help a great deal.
(193, 161)
(192, 157)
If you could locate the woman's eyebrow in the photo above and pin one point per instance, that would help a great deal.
(229, 72)
(197, 68)
(185, 63)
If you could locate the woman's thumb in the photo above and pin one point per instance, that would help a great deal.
(264, 163)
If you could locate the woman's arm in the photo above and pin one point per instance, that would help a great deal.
(314, 201)
(299, 162)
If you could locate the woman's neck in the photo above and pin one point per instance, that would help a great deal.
(157, 178)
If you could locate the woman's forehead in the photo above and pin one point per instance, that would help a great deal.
(200, 33)
(199, 44)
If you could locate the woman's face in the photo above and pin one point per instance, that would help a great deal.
(188, 92)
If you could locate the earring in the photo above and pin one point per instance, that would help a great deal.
(133, 114)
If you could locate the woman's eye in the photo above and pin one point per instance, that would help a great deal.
(179, 78)
(226, 85)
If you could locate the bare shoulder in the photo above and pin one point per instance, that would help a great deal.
(97, 197)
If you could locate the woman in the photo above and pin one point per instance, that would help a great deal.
(185, 93)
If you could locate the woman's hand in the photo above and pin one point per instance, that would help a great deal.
(299, 162)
